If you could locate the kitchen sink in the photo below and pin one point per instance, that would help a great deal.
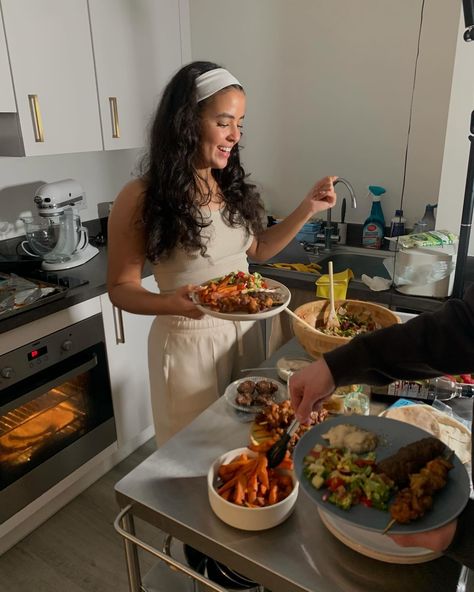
(359, 260)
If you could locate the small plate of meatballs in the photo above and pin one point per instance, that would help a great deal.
(253, 393)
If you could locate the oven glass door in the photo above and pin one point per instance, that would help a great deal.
(51, 410)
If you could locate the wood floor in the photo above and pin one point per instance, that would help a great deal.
(77, 549)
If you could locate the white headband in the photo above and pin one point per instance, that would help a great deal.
(213, 81)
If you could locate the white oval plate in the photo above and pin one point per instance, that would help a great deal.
(248, 316)
(231, 393)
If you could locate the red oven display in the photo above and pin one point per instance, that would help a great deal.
(37, 353)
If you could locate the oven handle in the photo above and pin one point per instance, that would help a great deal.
(30, 395)
(121, 520)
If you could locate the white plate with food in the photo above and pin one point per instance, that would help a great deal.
(240, 296)
(252, 393)
(390, 436)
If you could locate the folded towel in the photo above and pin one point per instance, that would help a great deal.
(377, 284)
(341, 282)
(308, 268)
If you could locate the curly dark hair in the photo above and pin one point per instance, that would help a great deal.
(171, 214)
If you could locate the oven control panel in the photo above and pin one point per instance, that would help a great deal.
(24, 362)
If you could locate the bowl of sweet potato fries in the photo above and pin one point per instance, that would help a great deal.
(245, 493)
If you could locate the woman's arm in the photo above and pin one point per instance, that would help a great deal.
(126, 258)
(270, 242)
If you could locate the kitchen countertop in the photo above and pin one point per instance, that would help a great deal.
(294, 253)
(95, 272)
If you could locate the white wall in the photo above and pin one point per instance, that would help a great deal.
(101, 174)
(329, 89)
(456, 153)
(329, 86)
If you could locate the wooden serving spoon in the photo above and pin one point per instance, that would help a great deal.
(302, 321)
(333, 321)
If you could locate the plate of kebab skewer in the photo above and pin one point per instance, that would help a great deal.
(241, 296)
(381, 474)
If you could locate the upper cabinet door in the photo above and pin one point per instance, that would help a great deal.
(50, 50)
(138, 44)
(7, 97)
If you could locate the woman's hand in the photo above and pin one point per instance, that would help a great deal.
(180, 303)
(321, 196)
(436, 540)
(308, 386)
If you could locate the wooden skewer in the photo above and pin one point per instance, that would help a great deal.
(389, 526)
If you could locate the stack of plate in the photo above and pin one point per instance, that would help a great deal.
(373, 544)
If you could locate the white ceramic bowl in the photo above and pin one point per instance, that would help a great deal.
(285, 366)
(240, 516)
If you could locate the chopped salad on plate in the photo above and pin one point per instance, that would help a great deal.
(349, 479)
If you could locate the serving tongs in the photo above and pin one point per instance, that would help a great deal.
(277, 452)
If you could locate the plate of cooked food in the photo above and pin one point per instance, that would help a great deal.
(381, 474)
(272, 421)
(241, 296)
(253, 393)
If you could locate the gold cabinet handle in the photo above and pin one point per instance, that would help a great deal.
(36, 117)
(114, 116)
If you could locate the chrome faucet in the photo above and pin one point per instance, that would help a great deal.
(328, 229)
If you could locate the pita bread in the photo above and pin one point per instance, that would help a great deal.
(449, 430)
(417, 415)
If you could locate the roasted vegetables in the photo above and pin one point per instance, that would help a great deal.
(247, 481)
(238, 292)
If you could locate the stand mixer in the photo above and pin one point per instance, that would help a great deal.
(57, 235)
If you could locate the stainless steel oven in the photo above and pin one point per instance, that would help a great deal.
(55, 411)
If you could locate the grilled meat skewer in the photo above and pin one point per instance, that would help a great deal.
(410, 459)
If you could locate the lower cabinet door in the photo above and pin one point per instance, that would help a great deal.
(126, 341)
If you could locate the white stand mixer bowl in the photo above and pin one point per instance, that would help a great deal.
(60, 241)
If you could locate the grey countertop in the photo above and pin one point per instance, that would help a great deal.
(94, 271)
(169, 490)
(294, 253)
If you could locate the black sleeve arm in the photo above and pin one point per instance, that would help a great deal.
(461, 548)
(428, 345)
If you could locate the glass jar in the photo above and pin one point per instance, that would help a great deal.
(357, 403)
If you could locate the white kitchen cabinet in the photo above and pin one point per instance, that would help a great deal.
(51, 59)
(86, 74)
(7, 97)
(137, 47)
(127, 343)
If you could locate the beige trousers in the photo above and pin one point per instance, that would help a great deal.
(191, 363)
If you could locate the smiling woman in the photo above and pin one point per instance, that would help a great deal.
(193, 214)
(221, 129)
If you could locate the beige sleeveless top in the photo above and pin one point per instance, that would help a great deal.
(226, 252)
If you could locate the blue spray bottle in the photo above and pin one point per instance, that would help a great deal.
(374, 227)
